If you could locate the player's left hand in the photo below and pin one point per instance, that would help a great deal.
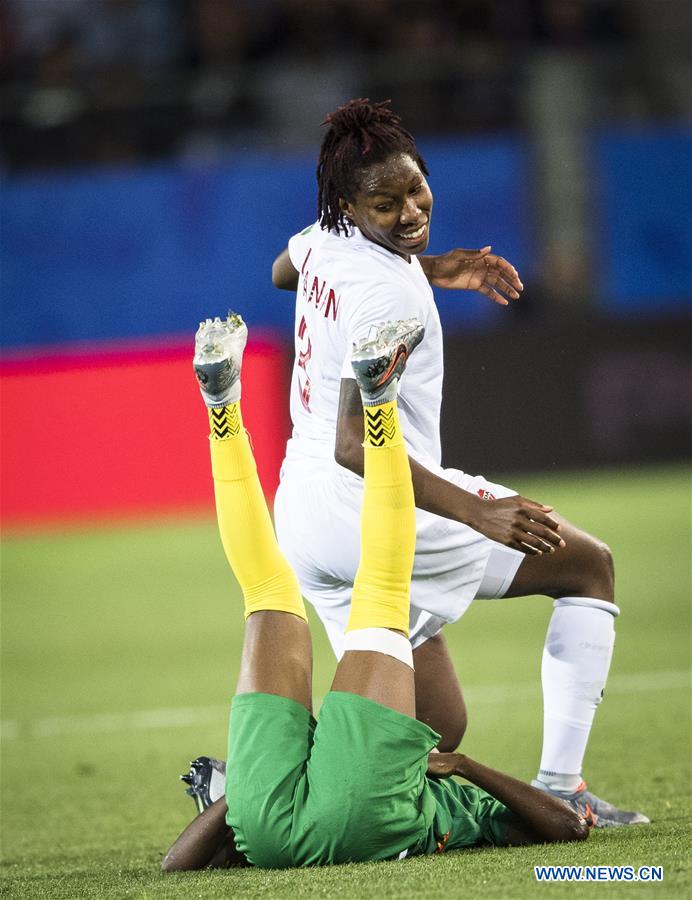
(475, 270)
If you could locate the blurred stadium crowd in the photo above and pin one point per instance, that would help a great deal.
(121, 80)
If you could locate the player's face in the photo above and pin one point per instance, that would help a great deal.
(393, 205)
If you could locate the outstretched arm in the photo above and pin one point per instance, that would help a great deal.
(474, 270)
(514, 521)
(540, 817)
(462, 270)
(206, 843)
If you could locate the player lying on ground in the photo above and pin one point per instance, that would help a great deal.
(356, 785)
(361, 263)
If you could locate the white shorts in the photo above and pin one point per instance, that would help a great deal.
(317, 518)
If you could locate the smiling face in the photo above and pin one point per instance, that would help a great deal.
(392, 205)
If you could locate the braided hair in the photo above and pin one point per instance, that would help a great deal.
(361, 134)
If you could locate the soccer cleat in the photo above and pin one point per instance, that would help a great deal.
(596, 812)
(379, 360)
(219, 345)
(206, 780)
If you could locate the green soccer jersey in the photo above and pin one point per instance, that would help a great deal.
(464, 816)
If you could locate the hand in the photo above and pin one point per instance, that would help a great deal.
(519, 523)
(474, 270)
(442, 765)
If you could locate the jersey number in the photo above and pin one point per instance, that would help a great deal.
(304, 354)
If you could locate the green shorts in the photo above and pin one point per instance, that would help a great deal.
(351, 787)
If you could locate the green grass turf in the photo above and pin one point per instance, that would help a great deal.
(103, 629)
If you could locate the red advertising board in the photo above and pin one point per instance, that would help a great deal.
(123, 432)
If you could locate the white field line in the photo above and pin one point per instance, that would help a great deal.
(195, 716)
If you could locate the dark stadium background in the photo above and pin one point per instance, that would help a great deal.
(157, 154)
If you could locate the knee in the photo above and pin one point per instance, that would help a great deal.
(453, 729)
(592, 570)
(605, 568)
(450, 724)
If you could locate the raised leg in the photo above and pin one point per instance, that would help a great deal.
(378, 663)
(277, 657)
(368, 763)
(277, 650)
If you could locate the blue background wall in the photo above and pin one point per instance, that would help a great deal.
(94, 255)
(645, 201)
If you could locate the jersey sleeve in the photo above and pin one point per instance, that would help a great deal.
(299, 243)
(383, 302)
(467, 816)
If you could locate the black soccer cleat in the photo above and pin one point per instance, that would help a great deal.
(206, 780)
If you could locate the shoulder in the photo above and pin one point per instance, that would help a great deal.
(307, 239)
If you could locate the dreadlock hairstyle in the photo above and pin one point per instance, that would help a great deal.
(361, 134)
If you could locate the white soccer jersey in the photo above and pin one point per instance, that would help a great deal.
(345, 285)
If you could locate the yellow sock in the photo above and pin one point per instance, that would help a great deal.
(247, 534)
(388, 527)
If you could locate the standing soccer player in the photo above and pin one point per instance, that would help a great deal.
(361, 264)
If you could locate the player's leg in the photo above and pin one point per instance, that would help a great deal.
(378, 662)
(270, 724)
(439, 698)
(323, 547)
(367, 768)
(576, 660)
(578, 648)
(583, 568)
(277, 650)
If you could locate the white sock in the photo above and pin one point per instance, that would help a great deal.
(380, 640)
(576, 659)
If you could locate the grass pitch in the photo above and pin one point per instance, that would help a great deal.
(120, 651)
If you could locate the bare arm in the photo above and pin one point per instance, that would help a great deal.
(471, 270)
(206, 843)
(284, 273)
(540, 817)
(515, 521)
